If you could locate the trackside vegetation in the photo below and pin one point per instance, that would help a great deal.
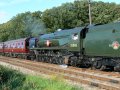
(14, 80)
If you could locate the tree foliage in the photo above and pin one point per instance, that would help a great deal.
(75, 14)
(66, 16)
(21, 26)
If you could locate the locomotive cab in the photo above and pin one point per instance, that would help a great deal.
(32, 43)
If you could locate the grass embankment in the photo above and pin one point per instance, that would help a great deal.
(14, 80)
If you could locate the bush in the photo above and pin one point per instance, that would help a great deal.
(10, 79)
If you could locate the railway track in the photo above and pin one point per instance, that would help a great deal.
(102, 80)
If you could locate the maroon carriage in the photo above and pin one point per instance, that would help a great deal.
(17, 46)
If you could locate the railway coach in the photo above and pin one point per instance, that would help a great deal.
(16, 48)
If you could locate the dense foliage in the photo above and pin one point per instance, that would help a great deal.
(66, 16)
(21, 26)
(10, 79)
(75, 14)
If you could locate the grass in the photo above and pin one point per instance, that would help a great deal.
(10, 79)
(14, 80)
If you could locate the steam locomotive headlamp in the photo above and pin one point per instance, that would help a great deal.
(75, 36)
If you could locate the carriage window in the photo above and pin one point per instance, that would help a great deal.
(22, 43)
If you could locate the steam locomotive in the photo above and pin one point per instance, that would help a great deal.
(95, 46)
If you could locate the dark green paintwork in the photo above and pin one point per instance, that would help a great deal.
(61, 39)
(99, 39)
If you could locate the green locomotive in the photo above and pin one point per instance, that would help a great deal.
(97, 46)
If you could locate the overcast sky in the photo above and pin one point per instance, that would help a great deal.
(10, 8)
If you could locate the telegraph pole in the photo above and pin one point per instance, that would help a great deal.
(90, 18)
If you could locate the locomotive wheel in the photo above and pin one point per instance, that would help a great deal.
(84, 63)
(87, 65)
(45, 59)
(97, 64)
(42, 59)
(54, 59)
(103, 67)
(117, 68)
(60, 60)
(73, 61)
(32, 57)
(50, 59)
(37, 58)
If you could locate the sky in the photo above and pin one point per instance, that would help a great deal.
(10, 8)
